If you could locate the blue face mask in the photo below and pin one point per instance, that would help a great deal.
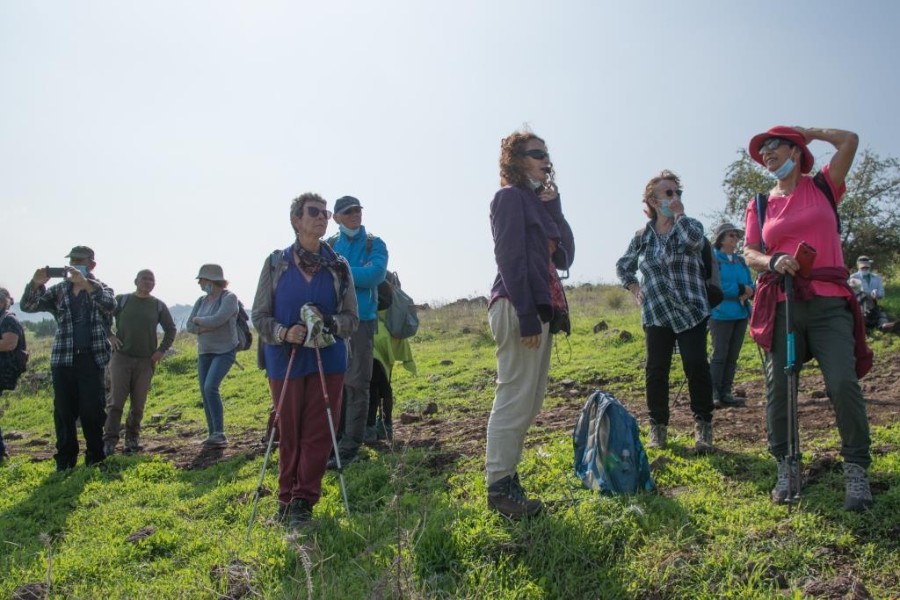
(349, 232)
(785, 169)
(82, 269)
(664, 209)
(208, 288)
(535, 184)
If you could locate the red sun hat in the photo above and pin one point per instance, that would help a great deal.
(786, 133)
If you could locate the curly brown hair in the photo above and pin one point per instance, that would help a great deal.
(512, 146)
(648, 190)
(300, 201)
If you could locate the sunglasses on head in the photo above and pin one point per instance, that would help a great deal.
(773, 144)
(670, 193)
(315, 211)
(353, 210)
(536, 154)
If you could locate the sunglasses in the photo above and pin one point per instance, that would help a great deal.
(315, 211)
(353, 210)
(772, 144)
(671, 193)
(537, 154)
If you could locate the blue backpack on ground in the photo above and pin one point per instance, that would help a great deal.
(609, 455)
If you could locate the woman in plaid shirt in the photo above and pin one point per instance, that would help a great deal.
(674, 308)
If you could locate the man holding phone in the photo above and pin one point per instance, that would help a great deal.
(82, 306)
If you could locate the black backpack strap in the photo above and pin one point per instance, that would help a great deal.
(819, 180)
(762, 203)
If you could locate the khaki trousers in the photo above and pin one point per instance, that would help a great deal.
(521, 384)
(130, 375)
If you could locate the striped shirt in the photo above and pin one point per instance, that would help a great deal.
(56, 301)
(671, 267)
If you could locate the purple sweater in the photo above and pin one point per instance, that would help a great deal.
(522, 226)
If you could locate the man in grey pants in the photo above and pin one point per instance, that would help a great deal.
(368, 258)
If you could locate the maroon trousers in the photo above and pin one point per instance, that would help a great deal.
(304, 437)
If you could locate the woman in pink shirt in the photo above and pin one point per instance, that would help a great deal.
(825, 320)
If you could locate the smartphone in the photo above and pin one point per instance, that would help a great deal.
(805, 256)
(55, 272)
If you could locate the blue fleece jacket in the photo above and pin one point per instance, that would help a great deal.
(368, 269)
(735, 276)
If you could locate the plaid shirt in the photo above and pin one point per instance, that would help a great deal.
(671, 266)
(55, 300)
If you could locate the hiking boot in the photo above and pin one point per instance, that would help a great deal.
(703, 436)
(132, 445)
(858, 496)
(215, 440)
(782, 485)
(727, 399)
(384, 429)
(507, 497)
(717, 399)
(657, 436)
(109, 448)
(345, 460)
(371, 435)
(298, 513)
(281, 512)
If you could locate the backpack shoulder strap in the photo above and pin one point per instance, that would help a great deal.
(121, 300)
(819, 180)
(333, 240)
(762, 203)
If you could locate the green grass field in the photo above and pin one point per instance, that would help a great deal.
(140, 527)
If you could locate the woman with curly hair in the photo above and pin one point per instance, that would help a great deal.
(531, 241)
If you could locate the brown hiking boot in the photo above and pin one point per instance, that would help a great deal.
(507, 497)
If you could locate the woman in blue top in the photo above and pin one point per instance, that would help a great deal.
(728, 322)
(306, 272)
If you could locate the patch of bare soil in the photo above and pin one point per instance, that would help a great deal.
(462, 432)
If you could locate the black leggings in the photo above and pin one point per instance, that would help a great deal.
(380, 393)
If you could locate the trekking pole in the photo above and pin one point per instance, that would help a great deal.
(793, 457)
(337, 455)
(262, 473)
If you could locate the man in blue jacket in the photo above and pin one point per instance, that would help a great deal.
(368, 258)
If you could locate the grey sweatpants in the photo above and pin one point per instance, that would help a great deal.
(356, 388)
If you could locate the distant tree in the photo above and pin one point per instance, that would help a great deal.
(870, 209)
(44, 328)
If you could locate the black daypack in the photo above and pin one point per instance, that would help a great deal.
(714, 292)
(245, 337)
(15, 362)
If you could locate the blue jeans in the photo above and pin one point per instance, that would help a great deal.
(212, 369)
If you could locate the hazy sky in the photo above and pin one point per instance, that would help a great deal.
(169, 134)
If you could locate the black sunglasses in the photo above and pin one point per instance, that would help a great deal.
(315, 211)
(536, 154)
(773, 144)
(670, 193)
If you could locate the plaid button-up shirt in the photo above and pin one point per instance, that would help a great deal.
(55, 300)
(671, 267)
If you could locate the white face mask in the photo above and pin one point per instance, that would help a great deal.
(535, 184)
(349, 232)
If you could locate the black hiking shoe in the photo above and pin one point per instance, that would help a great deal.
(507, 497)
(299, 513)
